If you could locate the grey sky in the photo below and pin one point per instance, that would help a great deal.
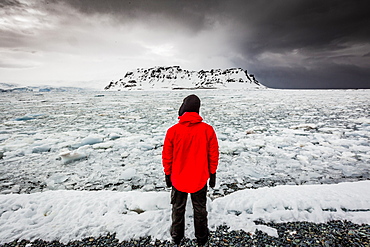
(285, 43)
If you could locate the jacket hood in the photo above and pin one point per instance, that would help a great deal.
(190, 118)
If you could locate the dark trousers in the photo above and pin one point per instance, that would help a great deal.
(178, 201)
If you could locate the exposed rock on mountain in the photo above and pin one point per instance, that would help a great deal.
(176, 78)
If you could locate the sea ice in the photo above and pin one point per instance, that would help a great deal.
(266, 137)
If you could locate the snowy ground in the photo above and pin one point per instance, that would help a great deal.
(112, 141)
(73, 215)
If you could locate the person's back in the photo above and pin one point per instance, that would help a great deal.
(191, 140)
(190, 157)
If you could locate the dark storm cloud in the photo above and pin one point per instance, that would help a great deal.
(274, 24)
(310, 24)
(262, 28)
(15, 29)
(321, 34)
(290, 43)
(191, 14)
(10, 3)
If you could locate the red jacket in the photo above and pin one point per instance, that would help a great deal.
(190, 153)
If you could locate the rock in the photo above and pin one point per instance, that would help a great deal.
(334, 233)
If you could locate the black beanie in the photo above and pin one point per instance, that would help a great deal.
(190, 104)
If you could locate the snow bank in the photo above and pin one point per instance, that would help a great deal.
(72, 215)
(313, 203)
(68, 215)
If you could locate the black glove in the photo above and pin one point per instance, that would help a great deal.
(212, 180)
(168, 181)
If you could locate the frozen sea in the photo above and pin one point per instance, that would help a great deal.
(67, 151)
(113, 140)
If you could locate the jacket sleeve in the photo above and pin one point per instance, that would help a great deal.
(213, 152)
(167, 153)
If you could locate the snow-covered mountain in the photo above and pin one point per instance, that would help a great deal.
(174, 77)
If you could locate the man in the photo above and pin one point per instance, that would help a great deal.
(190, 157)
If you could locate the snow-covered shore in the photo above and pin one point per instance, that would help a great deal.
(74, 215)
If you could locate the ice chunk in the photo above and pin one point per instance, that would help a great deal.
(91, 140)
(256, 129)
(68, 156)
(128, 174)
(303, 159)
(24, 118)
(56, 181)
(148, 187)
(222, 137)
(28, 117)
(41, 148)
(124, 155)
(363, 120)
(269, 230)
(304, 126)
(145, 146)
(104, 145)
(114, 136)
